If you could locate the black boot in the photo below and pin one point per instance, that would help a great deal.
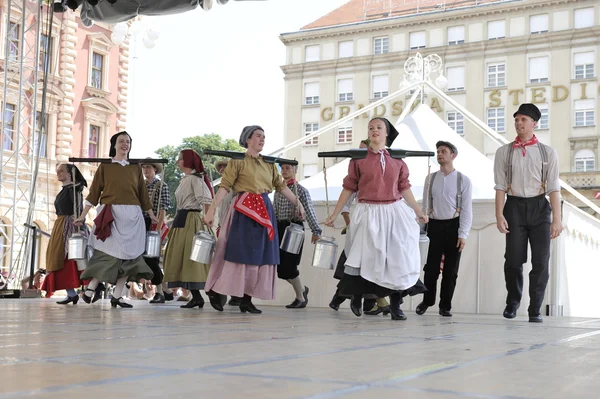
(336, 301)
(69, 299)
(395, 302)
(196, 300)
(215, 300)
(356, 304)
(246, 305)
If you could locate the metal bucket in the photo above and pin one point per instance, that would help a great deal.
(293, 238)
(325, 255)
(423, 247)
(203, 247)
(152, 244)
(77, 247)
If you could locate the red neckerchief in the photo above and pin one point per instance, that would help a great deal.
(519, 143)
(253, 206)
(291, 181)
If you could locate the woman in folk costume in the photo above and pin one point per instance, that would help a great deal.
(119, 236)
(247, 251)
(382, 244)
(193, 195)
(62, 272)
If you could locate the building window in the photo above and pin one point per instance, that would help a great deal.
(538, 69)
(456, 35)
(418, 40)
(93, 137)
(584, 17)
(584, 65)
(496, 30)
(8, 126)
(496, 75)
(308, 129)
(584, 113)
(495, 119)
(45, 57)
(41, 135)
(346, 49)
(456, 122)
(14, 32)
(312, 53)
(381, 45)
(309, 169)
(345, 90)
(311, 93)
(456, 78)
(97, 70)
(380, 86)
(538, 24)
(585, 161)
(345, 134)
(544, 122)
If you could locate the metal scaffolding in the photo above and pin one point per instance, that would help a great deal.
(20, 136)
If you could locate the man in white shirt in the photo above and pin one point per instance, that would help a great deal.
(447, 201)
(525, 171)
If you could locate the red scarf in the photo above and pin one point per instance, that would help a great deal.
(253, 206)
(519, 143)
(291, 182)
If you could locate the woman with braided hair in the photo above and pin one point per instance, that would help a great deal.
(193, 195)
(62, 272)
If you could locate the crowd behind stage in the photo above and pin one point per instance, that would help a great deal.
(379, 265)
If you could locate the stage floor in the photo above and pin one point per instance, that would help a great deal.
(161, 351)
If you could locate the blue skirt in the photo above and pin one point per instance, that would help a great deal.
(248, 242)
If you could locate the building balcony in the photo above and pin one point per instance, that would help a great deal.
(582, 180)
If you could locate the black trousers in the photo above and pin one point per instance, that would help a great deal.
(287, 269)
(443, 236)
(153, 263)
(528, 221)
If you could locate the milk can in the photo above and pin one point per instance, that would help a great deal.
(77, 247)
(152, 244)
(292, 240)
(423, 247)
(325, 255)
(203, 247)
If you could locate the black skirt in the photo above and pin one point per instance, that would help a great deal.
(356, 285)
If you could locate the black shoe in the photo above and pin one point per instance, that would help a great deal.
(336, 301)
(158, 298)
(215, 300)
(297, 304)
(193, 303)
(114, 302)
(98, 292)
(421, 309)
(234, 301)
(169, 297)
(87, 299)
(69, 299)
(355, 305)
(535, 319)
(249, 307)
(509, 312)
(397, 314)
(378, 310)
(445, 313)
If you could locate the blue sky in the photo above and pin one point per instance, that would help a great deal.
(215, 72)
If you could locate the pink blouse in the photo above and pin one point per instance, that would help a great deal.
(375, 186)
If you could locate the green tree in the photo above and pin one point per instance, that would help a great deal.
(212, 141)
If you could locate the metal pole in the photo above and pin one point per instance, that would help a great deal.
(33, 249)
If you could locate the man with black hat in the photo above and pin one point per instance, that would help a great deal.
(158, 191)
(447, 195)
(525, 171)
